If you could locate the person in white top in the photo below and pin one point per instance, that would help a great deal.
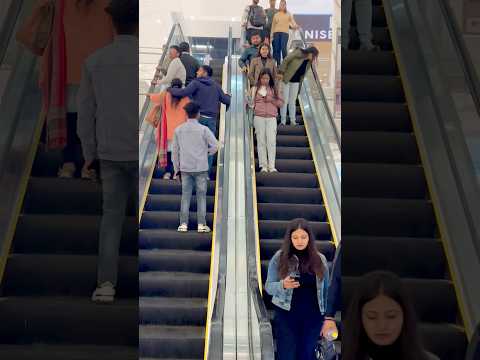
(176, 69)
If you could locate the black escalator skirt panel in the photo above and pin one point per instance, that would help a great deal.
(292, 192)
(45, 309)
(174, 270)
(388, 220)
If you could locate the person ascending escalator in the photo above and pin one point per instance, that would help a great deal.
(298, 282)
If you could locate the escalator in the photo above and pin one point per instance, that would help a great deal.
(293, 192)
(174, 270)
(388, 217)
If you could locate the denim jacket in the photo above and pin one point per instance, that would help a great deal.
(283, 297)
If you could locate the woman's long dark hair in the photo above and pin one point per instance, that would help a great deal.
(355, 339)
(310, 50)
(269, 55)
(271, 82)
(176, 84)
(311, 261)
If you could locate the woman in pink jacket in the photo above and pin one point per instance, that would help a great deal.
(265, 100)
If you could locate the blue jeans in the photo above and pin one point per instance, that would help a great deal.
(119, 180)
(279, 43)
(200, 180)
(211, 123)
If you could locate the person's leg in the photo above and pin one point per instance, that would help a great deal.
(292, 102)
(69, 162)
(271, 136)
(284, 41)
(187, 188)
(169, 167)
(276, 44)
(285, 336)
(308, 338)
(115, 190)
(211, 123)
(364, 14)
(201, 185)
(346, 18)
(260, 131)
(283, 111)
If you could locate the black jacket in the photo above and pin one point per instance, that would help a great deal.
(191, 66)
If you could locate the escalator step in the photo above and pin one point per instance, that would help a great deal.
(292, 140)
(290, 153)
(172, 311)
(403, 256)
(379, 88)
(381, 36)
(287, 195)
(170, 220)
(158, 173)
(270, 246)
(380, 147)
(275, 229)
(375, 116)
(369, 63)
(421, 291)
(293, 166)
(160, 186)
(298, 130)
(172, 203)
(49, 320)
(387, 217)
(178, 284)
(171, 341)
(278, 211)
(70, 352)
(378, 19)
(298, 180)
(384, 181)
(447, 341)
(62, 275)
(174, 261)
(170, 239)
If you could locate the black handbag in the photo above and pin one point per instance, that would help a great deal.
(326, 350)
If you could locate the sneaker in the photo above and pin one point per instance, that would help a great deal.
(167, 176)
(273, 170)
(67, 171)
(89, 174)
(105, 293)
(263, 170)
(294, 123)
(203, 228)
(369, 47)
(183, 228)
(175, 177)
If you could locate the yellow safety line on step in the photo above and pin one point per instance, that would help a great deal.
(428, 174)
(320, 180)
(12, 227)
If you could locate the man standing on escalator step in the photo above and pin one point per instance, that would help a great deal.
(107, 104)
(209, 94)
(189, 62)
(254, 20)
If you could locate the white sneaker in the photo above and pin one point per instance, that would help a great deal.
(273, 170)
(203, 228)
(183, 228)
(263, 170)
(67, 171)
(89, 174)
(167, 176)
(104, 293)
(294, 123)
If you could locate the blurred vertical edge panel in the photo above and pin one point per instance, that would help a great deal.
(68, 144)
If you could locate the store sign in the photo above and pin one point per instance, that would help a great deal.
(316, 27)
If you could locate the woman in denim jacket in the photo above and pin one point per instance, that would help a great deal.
(298, 281)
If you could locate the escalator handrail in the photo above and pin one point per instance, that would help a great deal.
(6, 32)
(265, 326)
(473, 350)
(322, 94)
(215, 342)
(468, 68)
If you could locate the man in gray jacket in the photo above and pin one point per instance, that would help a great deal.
(108, 129)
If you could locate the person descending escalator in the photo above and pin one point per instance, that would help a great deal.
(192, 144)
(292, 72)
(209, 94)
(298, 282)
(381, 322)
(265, 101)
(189, 62)
(281, 24)
(250, 52)
(364, 15)
(263, 60)
(254, 20)
(80, 28)
(270, 12)
(167, 114)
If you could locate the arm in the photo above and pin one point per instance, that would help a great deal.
(242, 62)
(87, 107)
(224, 98)
(171, 72)
(274, 285)
(334, 291)
(251, 71)
(274, 25)
(286, 62)
(211, 141)
(176, 153)
(293, 23)
(245, 16)
(188, 91)
(251, 97)
(277, 100)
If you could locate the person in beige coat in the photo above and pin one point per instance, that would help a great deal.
(262, 61)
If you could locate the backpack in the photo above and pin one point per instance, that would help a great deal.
(256, 16)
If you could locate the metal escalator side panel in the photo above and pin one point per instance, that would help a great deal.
(427, 110)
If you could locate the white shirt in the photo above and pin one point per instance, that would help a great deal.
(176, 70)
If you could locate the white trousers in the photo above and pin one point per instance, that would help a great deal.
(290, 94)
(266, 131)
